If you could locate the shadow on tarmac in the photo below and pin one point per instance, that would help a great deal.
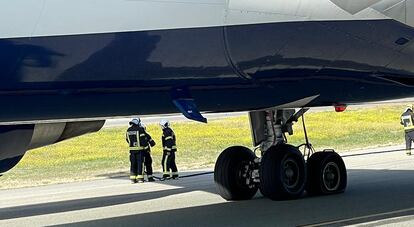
(370, 192)
(96, 202)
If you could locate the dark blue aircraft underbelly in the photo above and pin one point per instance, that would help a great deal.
(224, 68)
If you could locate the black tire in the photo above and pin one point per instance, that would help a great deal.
(282, 173)
(326, 174)
(230, 185)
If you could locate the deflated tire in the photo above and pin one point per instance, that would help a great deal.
(232, 181)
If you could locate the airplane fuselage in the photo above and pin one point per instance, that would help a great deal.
(86, 59)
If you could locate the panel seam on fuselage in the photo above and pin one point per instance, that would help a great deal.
(232, 64)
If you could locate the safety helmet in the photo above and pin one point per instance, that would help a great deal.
(164, 123)
(409, 107)
(135, 121)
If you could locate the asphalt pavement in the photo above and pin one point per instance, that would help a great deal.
(380, 193)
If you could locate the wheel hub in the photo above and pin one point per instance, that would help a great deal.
(245, 176)
(290, 173)
(331, 176)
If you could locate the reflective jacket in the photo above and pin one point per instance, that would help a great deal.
(138, 139)
(168, 140)
(407, 120)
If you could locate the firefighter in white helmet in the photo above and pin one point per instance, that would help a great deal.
(169, 148)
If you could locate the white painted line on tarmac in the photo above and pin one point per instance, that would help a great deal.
(361, 219)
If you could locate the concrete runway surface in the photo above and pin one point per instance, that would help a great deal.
(380, 193)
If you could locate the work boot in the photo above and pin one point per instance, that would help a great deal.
(151, 179)
(175, 177)
(140, 180)
(165, 176)
(408, 153)
(133, 179)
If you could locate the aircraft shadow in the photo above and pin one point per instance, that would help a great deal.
(95, 202)
(370, 193)
(371, 196)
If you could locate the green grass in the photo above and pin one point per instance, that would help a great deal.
(105, 153)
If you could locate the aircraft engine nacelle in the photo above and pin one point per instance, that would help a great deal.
(15, 140)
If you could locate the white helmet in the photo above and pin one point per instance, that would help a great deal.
(135, 121)
(164, 124)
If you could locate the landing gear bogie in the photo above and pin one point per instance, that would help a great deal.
(281, 173)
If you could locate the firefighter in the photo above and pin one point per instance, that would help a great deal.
(147, 155)
(169, 166)
(407, 121)
(139, 143)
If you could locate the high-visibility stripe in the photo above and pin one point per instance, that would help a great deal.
(149, 175)
(132, 177)
(168, 138)
(140, 177)
(170, 149)
(166, 173)
(165, 163)
(137, 148)
(408, 128)
(141, 135)
(138, 142)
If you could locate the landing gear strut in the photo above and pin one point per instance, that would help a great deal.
(283, 171)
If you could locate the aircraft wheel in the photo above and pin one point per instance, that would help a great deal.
(326, 174)
(233, 174)
(282, 173)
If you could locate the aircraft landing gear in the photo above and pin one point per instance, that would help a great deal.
(326, 173)
(235, 173)
(282, 171)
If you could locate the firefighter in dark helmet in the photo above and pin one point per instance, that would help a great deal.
(169, 166)
(407, 120)
(139, 144)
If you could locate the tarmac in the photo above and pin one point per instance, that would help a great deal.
(380, 193)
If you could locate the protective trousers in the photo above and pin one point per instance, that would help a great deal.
(169, 167)
(409, 138)
(137, 171)
(148, 163)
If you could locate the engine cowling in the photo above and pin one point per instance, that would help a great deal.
(16, 140)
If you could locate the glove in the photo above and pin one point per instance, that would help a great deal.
(152, 143)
